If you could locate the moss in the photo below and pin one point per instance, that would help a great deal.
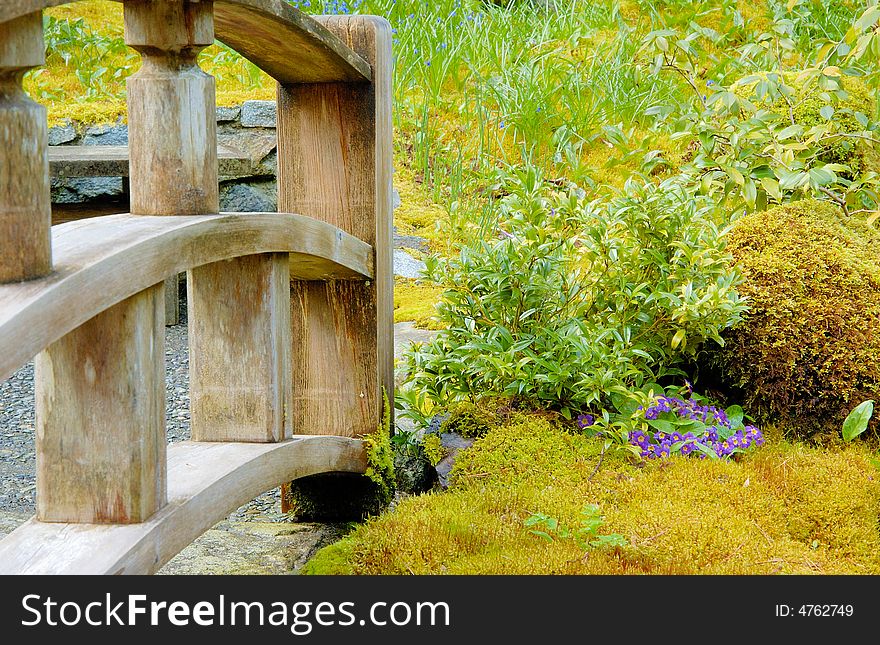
(417, 213)
(417, 303)
(332, 560)
(432, 447)
(380, 455)
(804, 109)
(809, 350)
(470, 419)
(787, 508)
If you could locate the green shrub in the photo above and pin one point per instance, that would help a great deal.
(809, 349)
(577, 298)
(799, 102)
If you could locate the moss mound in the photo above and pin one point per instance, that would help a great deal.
(804, 109)
(783, 509)
(809, 350)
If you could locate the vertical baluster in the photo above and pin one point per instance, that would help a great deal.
(25, 209)
(100, 405)
(334, 164)
(239, 318)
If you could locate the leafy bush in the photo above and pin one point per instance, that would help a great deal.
(798, 102)
(771, 137)
(576, 298)
(810, 347)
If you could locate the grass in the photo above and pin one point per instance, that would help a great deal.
(786, 508)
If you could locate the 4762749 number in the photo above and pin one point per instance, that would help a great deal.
(815, 610)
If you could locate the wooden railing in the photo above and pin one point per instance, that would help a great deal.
(290, 315)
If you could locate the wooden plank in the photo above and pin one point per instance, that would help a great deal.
(334, 164)
(100, 410)
(101, 261)
(289, 45)
(239, 331)
(25, 208)
(171, 109)
(206, 481)
(112, 161)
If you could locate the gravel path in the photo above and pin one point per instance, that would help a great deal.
(17, 458)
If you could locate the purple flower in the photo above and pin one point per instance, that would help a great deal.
(584, 421)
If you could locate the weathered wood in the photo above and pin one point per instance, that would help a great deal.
(239, 330)
(334, 164)
(25, 208)
(112, 161)
(172, 299)
(171, 109)
(206, 481)
(102, 261)
(288, 44)
(100, 410)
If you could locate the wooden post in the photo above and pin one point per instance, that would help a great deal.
(240, 370)
(100, 407)
(171, 113)
(25, 207)
(334, 164)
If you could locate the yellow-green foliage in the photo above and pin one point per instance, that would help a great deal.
(470, 420)
(804, 109)
(417, 303)
(417, 213)
(809, 350)
(433, 448)
(380, 455)
(784, 509)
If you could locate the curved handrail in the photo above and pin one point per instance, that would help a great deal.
(103, 260)
(289, 45)
(206, 481)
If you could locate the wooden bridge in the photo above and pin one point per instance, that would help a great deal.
(290, 313)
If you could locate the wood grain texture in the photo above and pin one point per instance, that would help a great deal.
(239, 335)
(206, 481)
(100, 410)
(25, 208)
(171, 109)
(112, 161)
(101, 261)
(289, 45)
(334, 164)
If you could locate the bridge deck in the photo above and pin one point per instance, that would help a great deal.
(206, 482)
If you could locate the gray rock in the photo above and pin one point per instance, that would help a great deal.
(76, 190)
(61, 134)
(268, 166)
(413, 471)
(453, 443)
(259, 114)
(258, 548)
(226, 114)
(256, 143)
(405, 334)
(410, 242)
(250, 197)
(106, 135)
(395, 199)
(406, 266)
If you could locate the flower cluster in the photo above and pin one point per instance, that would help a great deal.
(720, 436)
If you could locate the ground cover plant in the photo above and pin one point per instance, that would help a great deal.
(651, 229)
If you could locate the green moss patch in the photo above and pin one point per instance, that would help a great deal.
(786, 508)
(809, 349)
